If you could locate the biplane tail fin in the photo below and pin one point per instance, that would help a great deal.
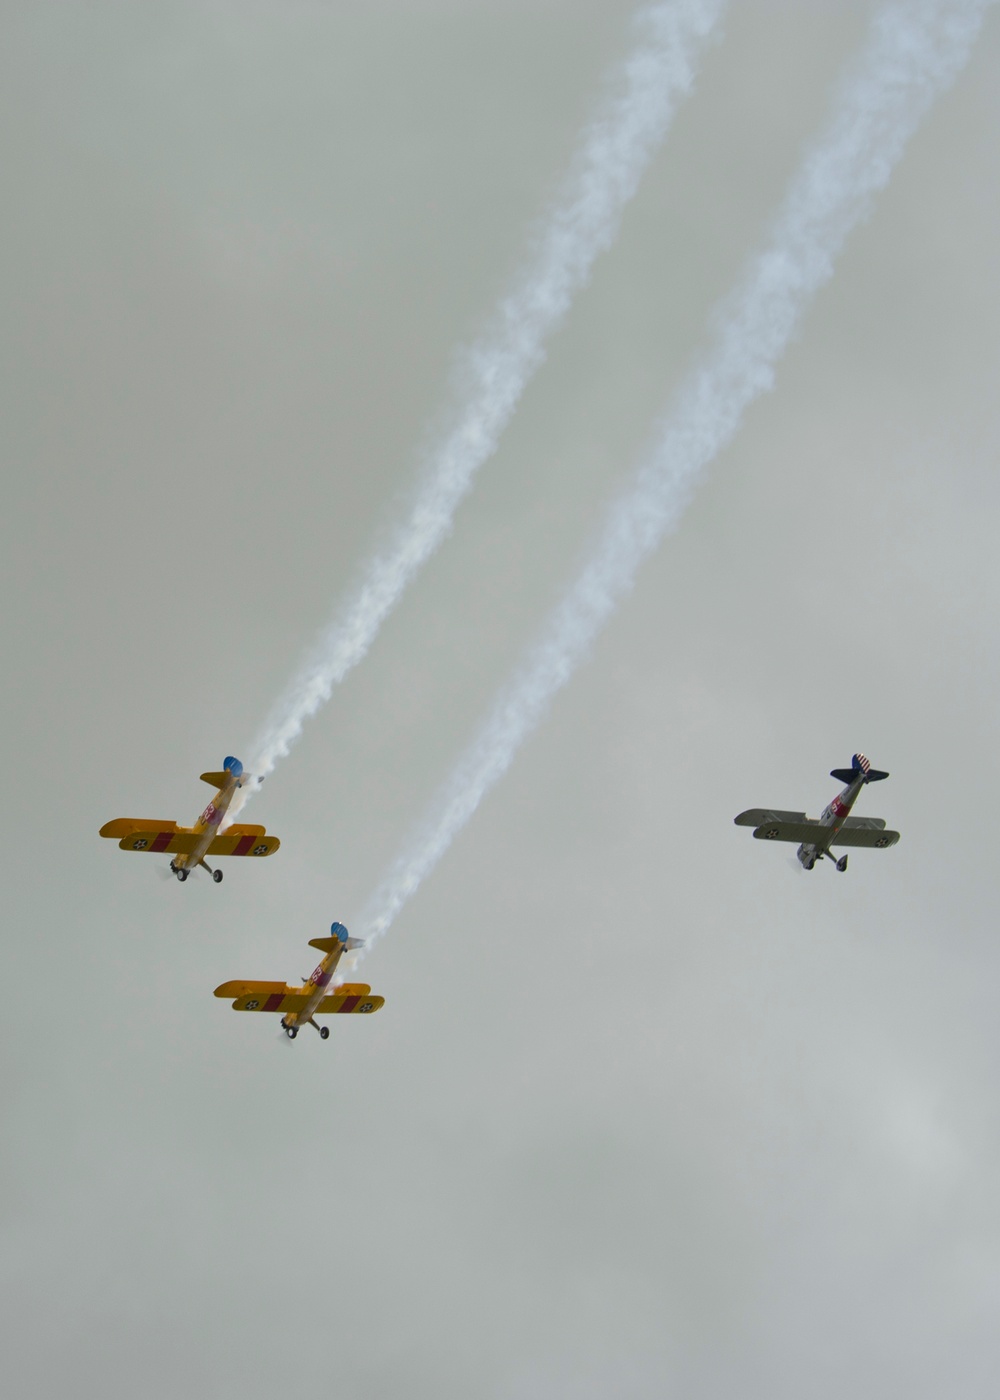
(231, 769)
(339, 938)
(860, 768)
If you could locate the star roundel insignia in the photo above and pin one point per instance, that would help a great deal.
(367, 1006)
(771, 833)
(882, 842)
(252, 1005)
(140, 845)
(260, 850)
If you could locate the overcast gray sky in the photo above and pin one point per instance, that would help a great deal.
(648, 1111)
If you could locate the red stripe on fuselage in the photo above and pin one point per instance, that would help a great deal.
(274, 1001)
(162, 840)
(243, 845)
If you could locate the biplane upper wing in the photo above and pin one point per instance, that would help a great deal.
(262, 991)
(124, 826)
(756, 816)
(241, 840)
(798, 832)
(151, 836)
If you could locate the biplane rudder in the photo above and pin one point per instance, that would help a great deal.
(339, 931)
(339, 941)
(229, 775)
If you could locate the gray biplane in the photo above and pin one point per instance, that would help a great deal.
(836, 826)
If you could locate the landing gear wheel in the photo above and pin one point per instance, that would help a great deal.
(808, 864)
(291, 1032)
(181, 875)
(324, 1032)
(842, 864)
(217, 876)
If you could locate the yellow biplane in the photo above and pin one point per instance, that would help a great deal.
(298, 1005)
(189, 845)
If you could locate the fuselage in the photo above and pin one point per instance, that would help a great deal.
(316, 988)
(207, 825)
(831, 820)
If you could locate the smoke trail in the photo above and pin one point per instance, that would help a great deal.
(491, 376)
(915, 49)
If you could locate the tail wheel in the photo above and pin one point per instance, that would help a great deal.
(324, 1032)
(217, 876)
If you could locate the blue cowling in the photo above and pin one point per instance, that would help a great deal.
(339, 932)
(234, 766)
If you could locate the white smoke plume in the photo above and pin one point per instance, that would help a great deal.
(915, 49)
(490, 377)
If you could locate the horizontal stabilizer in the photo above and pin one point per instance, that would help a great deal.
(860, 768)
(216, 780)
(756, 815)
(330, 945)
(848, 775)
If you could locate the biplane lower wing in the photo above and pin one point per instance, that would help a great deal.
(244, 841)
(872, 837)
(169, 838)
(352, 997)
(813, 833)
(347, 1005)
(166, 837)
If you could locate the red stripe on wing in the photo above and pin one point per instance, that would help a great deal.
(274, 1001)
(243, 845)
(162, 840)
(349, 1004)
